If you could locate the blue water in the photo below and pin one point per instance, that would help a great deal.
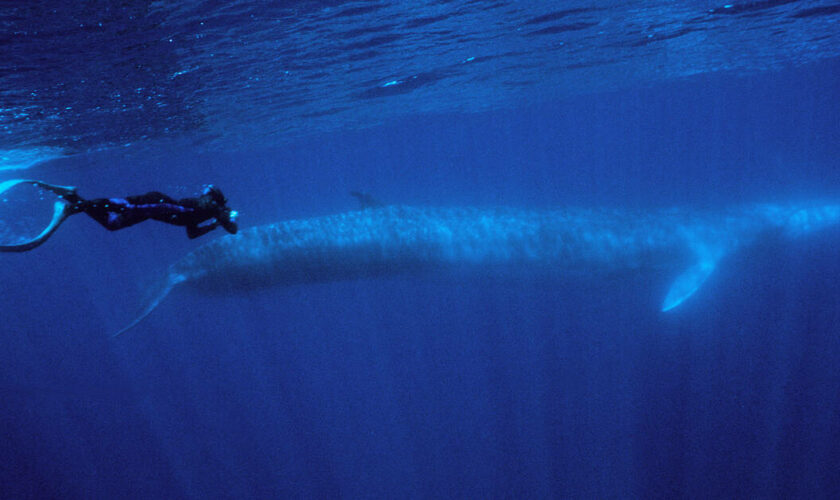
(419, 386)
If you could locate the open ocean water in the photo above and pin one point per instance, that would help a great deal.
(445, 385)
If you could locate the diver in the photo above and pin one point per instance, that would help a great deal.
(199, 215)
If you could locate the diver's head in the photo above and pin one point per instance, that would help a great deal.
(213, 199)
(214, 195)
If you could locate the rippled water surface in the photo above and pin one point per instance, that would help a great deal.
(80, 76)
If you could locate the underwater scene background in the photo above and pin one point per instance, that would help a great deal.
(439, 385)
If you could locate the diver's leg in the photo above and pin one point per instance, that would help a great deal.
(117, 213)
(111, 213)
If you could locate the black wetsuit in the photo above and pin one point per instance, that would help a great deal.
(118, 213)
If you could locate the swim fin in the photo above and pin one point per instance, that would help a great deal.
(61, 191)
(61, 211)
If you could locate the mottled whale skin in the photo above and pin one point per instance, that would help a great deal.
(397, 239)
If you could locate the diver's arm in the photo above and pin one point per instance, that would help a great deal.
(230, 227)
(195, 231)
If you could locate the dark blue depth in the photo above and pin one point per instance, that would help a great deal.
(445, 386)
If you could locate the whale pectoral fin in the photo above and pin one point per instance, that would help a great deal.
(163, 290)
(60, 213)
(687, 283)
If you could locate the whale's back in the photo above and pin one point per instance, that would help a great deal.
(390, 240)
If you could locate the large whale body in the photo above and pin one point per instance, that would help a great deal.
(396, 239)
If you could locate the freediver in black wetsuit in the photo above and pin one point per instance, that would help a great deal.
(199, 215)
(117, 213)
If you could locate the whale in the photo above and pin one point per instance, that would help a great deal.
(388, 240)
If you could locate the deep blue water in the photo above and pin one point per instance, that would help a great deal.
(419, 386)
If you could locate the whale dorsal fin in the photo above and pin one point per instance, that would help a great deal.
(366, 200)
